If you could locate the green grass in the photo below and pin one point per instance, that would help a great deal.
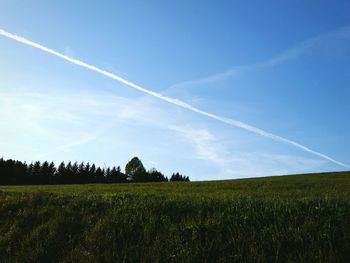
(299, 218)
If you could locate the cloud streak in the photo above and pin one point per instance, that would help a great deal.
(177, 102)
(289, 54)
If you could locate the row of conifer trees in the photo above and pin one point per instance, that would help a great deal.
(19, 173)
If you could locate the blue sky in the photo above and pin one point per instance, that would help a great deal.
(283, 68)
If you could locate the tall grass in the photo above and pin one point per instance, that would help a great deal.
(302, 218)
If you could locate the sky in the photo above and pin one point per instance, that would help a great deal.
(282, 67)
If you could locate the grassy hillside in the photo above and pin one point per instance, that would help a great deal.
(299, 218)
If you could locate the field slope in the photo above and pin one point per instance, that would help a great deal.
(297, 218)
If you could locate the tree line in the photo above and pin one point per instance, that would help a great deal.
(14, 172)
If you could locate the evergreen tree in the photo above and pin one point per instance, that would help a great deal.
(117, 176)
(44, 173)
(155, 176)
(61, 172)
(99, 176)
(108, 175)
(178, 177)
(81, 172)
(36, 171)
(92, 171)
(52, 173)
(86, 174)
(30, 172)
(74, 173)
(52, 169)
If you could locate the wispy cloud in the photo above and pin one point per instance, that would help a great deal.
(62, 122)
(174, 101)
(302, 48)
(204, 142)
(83, 139)
(233, 164)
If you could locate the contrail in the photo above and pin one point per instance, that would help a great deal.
(170, 100)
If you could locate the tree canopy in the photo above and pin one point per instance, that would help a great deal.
(134, 170)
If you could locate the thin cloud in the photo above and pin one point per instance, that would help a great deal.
(241, 164)
(177, 102)
(82, 140)
(289, 54)
(203, 141)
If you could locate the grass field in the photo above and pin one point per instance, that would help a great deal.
(298, 218)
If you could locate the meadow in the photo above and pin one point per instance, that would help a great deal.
(296, 218)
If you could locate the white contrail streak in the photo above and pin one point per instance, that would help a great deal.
(170, 100)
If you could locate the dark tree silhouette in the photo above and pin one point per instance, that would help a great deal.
(116, 176)
(178, 177)
(155, 176)
(16, 173)
(135, 171)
